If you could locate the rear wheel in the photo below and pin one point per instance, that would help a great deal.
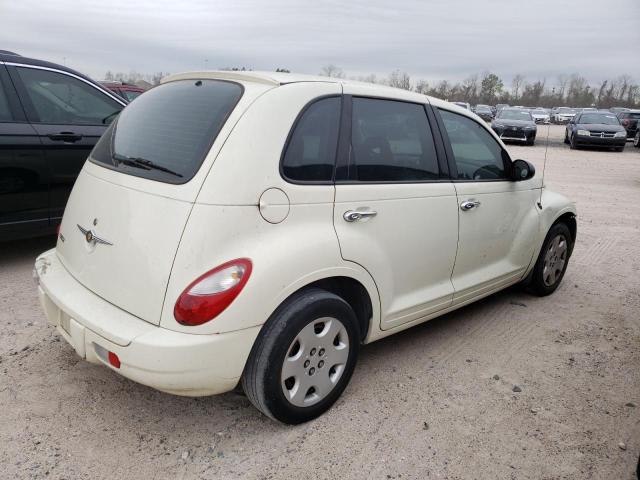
(566, 137)
(553, 260)
(636, 139)
(304, 357)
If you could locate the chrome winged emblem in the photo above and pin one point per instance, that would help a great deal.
(91, 237)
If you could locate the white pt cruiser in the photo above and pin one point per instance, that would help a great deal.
(247, 228)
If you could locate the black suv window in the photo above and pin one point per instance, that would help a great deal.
(391, 142)
(5, 112)
(166, 133)
(61, 99)
(478, 156)
(311, 151)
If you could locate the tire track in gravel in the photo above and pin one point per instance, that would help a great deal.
(595, 253)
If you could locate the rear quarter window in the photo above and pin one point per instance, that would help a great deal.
(166, 133)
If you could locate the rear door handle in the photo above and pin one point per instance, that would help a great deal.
(469, 204)
(357, 215)
(69, 137)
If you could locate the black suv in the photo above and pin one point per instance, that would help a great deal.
(50, 119)
(629, 120)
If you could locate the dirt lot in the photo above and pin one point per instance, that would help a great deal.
(436, 401)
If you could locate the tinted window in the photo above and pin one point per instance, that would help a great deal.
(165, 134)
(391, 141)
(516, 115)
(477, 154)
(62, 99)
(5, 112)
(311, 150)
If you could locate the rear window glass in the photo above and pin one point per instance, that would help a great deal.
(166, 133)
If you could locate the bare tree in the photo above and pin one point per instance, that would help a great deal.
(332, 71)
(422, 86)
(516, 85)
(399, 79)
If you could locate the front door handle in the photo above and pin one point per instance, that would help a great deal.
(68, 137)
(469, 204)
(357, 215)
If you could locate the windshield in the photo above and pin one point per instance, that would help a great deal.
(483, 108)
(166, 133)
(515, 115)
(598, 118)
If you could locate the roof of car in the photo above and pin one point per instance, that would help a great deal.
(278, 78)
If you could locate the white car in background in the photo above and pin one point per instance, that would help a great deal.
(564, 115)
(257, 228)
(541, 115)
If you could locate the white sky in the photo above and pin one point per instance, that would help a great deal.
(432, 40)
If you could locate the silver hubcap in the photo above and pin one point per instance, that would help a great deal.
(315, 362)
(554, 260)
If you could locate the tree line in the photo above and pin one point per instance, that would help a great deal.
(572, 90)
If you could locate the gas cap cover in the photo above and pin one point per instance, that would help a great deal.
(274, 205)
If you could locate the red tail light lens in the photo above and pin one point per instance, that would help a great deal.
(210, 294)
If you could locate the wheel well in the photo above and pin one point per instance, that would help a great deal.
(352, 292)
(569, 219)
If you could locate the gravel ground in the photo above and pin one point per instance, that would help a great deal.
(512, 387)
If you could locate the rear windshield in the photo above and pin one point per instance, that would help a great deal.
(166, 133)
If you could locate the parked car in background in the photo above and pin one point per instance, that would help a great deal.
(499, 107)
(595, 129)
(564, 115)
(484, 112)
(464, 105)
(125, 90)
(276, 253)
(629, 120)
(540, 115)
(50, 119)
(515, 124)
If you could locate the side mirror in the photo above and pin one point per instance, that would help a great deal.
(522, 170)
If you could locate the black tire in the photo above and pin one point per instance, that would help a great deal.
(566, 138)
(537, 284)
(531, 141)
(636, 140)
(261, 378)
(619, 149)
(572, 143)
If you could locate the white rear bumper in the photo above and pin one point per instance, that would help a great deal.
(174, 362)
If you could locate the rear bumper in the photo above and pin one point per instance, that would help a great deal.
(173, 362)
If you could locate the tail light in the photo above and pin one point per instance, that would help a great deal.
(210, 294)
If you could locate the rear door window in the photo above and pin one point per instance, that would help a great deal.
(166, 133)
(64, 100)
(391, 141)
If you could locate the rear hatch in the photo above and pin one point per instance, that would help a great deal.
(129, 206)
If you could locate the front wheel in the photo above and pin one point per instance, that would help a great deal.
(572, 142)
(566, 137)
(636, 139)
(553, 260)
(303, 358)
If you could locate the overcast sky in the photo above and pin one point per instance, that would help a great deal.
(432, 40)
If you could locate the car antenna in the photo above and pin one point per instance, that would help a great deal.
(544, 165)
